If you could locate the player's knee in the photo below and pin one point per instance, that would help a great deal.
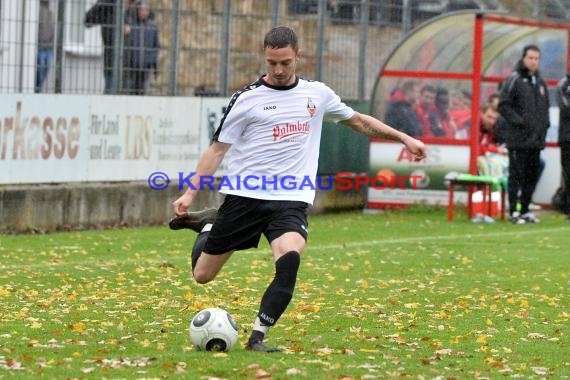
(202, 276)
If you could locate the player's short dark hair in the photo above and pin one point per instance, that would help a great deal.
(530, 47)
(280, 37)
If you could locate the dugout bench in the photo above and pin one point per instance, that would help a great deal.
(486, 184)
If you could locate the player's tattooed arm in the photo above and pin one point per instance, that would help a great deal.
(374, 128)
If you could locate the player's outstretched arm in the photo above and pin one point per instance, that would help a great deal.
(207, 166)
(374, 128)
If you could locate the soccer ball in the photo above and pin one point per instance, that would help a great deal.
(449, 177)
(421, 182)
(213, 329)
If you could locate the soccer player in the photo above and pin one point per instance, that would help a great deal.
(273, 127)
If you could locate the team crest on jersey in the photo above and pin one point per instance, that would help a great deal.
(311, 107)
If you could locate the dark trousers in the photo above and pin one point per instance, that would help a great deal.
(541, 165)
(565, 163)
(136, 81)
(523, 172)
(108, 68)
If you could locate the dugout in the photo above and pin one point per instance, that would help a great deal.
(467, 53)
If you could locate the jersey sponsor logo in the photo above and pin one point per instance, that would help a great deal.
(289, 131)
(311, 107)
(267, 108)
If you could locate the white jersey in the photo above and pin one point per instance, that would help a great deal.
(275, 134)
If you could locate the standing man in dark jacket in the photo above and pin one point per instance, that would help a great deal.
(103, 13)
(563, 95)
(525, 106)
(141, 50)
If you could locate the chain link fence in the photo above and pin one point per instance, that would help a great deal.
(203, 47)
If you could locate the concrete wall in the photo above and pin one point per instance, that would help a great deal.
(44, 208)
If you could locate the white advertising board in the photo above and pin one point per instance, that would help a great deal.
(129, 140)
(391, 158)
(43, 139)
(67, 138)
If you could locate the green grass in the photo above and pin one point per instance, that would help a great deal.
(401, 294)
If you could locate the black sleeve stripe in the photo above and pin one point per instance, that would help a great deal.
(233, 100)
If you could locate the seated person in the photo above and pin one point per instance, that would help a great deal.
(400, 113)
(442, 115)
(493, 158)
(460, 114)
(426, 112)
(491, 131)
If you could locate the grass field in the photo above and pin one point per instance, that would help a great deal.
(401, 294)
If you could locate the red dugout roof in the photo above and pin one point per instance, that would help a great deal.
(470, 52)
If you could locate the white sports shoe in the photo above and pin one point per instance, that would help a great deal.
(517, 220)
(530, 218)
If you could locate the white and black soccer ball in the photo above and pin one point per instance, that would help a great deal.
(422, 182)
(213, 329)
(449, 177)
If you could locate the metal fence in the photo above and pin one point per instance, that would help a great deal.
(205, 47)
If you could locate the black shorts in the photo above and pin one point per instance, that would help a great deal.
(241, 221)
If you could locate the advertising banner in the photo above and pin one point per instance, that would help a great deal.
(43, 139)
(401, 181)
(66, 138)
(129, 140)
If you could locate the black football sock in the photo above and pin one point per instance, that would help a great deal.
(198, 247)
(280, 291)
